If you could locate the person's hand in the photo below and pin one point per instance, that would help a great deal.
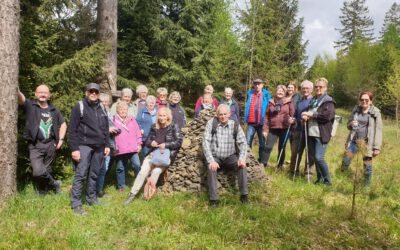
(265, 134)
(142, 131)
(106, 151)
(241, 163)
(213, 166)
(354, 124)
(59, 144)
(291, 120)
(161, 146)
(305, 116)
(375, 152)
(154, 144)
(76, 155)
(113, 130)
(139, 148)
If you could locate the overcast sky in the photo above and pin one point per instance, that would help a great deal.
(321, 17)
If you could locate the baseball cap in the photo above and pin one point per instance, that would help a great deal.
(257, 81)
(93, 85)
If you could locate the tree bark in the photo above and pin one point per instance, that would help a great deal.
(107, 32)
(9, 49)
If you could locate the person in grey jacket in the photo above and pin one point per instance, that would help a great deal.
(232, 104)
(365, 123)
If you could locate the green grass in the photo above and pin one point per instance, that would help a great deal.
(282, 214)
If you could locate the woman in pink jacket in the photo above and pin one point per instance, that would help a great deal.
(128, 143)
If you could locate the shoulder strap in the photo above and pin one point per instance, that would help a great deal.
(81, 107)
(214, 129)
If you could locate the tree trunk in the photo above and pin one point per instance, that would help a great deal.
(9, 49)
(107, 31)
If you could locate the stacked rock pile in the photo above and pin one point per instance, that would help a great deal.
(188, 172)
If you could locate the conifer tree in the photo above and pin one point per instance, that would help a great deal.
(392, 17)
(356, 24)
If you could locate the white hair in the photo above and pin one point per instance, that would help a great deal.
(227, 89)
(308, 83)
(105, 96)
(150, 98)
(126, 91)
(162, 90)
(175, 93)
(223, 106)
(141, 88)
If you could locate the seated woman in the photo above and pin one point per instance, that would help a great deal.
(208, 90)
(365, 124)
(278, 117)
(128, 143)
(164, 136)
(207, 103)
(178, 113)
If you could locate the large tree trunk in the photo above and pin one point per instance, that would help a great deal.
(107, 31)
(9, 48)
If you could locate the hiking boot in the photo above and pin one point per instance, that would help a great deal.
(100, 194)
(128, 201)
(214, 203)
(79, 210)
(57, 187)
(244, 199)
(121, 189)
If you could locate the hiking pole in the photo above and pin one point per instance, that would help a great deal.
(284, 144)
(298, 151)
(306, 141)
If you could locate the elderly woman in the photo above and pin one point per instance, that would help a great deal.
(278, 118)
(365, 124)
(126, 96)
(165, 136)
(319, 120)
(207, 103)
(105, 99)
(128, 143)
(146, 117)
(208, 90)
(178, 113)
(141, 92)
(232, 104)
(162, 98)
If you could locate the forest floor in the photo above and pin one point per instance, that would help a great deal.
(282, 213)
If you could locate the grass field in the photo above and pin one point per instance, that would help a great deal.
(282, 214)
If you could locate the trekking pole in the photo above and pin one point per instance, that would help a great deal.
(284, 144)
(306, 141)
(298, 152)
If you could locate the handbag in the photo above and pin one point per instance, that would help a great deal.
(161, 159)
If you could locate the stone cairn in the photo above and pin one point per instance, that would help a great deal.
(188, 172)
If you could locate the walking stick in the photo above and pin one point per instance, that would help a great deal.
(307, 163)
(284, 144)
(298, 152)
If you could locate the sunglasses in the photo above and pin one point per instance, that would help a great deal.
(364, 100)
(93, 91)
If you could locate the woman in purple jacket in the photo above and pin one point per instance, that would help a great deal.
(128, 143)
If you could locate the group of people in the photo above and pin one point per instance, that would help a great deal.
(147, 134)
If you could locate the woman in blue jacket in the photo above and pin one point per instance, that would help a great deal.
(146, 117)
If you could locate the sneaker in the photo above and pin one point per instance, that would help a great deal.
(128, 201)
(79, 210)
(57, 187)
(244, 199)
(214, 203)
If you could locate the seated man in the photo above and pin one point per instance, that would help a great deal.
(225, 147)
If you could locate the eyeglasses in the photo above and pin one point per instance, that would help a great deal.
(93, 91)
(364, 100)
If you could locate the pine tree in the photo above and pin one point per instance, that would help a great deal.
(356, 24)
(392, 17)
(273, 38)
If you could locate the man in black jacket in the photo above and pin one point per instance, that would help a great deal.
(45, 130)
(89, 142)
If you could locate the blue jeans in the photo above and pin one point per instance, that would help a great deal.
(318, 150)
(102, 175)
(122, 163)
(251, 131)
(350, 152)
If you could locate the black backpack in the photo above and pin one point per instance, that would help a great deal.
(214, 131)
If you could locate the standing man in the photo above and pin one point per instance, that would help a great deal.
(320, 117)
(45, 130)
(89, 142)
(299, 137)
(225, 147)
(256, 105)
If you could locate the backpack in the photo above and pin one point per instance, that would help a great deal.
(214, 131)
(81, 108)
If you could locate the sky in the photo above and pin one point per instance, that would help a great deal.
(321, 17)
